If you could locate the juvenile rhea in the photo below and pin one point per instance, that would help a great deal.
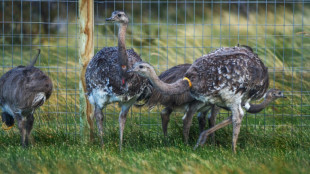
(22, 90)
(182, 102)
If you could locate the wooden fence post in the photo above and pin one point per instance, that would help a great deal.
(86, 46)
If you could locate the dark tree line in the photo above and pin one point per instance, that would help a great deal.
(25, 20)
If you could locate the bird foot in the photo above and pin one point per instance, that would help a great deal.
(196, 146)
(202, 139)
(102, 144)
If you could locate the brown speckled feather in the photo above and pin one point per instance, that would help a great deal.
(237, 68)
(104, 71)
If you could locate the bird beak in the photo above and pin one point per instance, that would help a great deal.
(284, 96)
(129, 71)
(109, 19)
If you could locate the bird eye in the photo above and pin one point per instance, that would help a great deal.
(140, 66)
(119, 15)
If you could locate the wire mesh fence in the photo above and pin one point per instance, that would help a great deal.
(164, 33)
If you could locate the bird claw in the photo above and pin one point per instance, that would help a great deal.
(202, 140)
(196, 146)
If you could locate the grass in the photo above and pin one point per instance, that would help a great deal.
(257, 152)
(67, 159)
(273, 141)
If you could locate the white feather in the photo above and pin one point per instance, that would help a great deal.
(247, 106)
(38, 98)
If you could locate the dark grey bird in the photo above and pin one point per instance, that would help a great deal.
(228, 77)
(22, 90)
(182, 102)
(107, 80)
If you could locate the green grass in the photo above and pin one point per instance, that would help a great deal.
(179, 159)
(273, 141)
(258, 152)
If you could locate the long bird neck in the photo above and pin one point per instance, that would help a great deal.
(122, 54)
(255, 108)
(177, 87)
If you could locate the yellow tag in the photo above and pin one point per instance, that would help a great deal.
(189, 81)
(4, 127)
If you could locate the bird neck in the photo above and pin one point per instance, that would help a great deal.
(122, 54)
(175, 88)
(255, 108)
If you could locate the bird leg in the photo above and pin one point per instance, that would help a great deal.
(212, 118)
(202, 117)
(99, 119)
(29, 126)
(204, 135)
(235, 119)
(237, 115)
(122, 121)
(187, 119)
(165, 118)
(202, 120)
(21, 126)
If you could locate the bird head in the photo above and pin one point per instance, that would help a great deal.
(143, 69)
(119, 17)
(274, 94)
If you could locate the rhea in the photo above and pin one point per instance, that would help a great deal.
(22, 90)
(228, 77)
(182, 102)
(107, 80)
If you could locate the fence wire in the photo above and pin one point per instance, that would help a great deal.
(164, 33)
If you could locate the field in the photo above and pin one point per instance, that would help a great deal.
(258, 152)
(277, 140)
